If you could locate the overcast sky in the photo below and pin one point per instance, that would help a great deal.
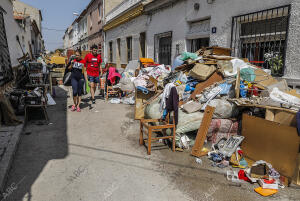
(57, 14)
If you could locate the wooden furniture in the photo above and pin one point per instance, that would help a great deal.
(202, 132)
(111, 91)
(164, 124)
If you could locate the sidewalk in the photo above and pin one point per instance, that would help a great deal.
(9, 138)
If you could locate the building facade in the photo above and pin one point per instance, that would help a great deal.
(251, 29)
(24, 10)
(125, 33)
(95, 16)
(87, 29)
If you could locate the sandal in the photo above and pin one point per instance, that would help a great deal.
(73, 108)
(78, 109)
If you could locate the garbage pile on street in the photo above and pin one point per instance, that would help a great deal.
(253, 128)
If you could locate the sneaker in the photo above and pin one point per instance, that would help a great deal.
(78, 109)
(93, 101)
(73, 108)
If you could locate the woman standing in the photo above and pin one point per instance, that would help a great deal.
(77, 79)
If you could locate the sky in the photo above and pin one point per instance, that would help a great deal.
(57, 14)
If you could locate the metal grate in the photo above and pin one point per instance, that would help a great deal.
(165, 50)
(261, 37)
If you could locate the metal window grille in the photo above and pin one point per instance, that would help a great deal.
(165, 50)
(197, 44)
(261, 37)
(110, 52)
(6, 73)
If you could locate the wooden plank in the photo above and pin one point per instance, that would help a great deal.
(237, 83)
(285, 118)
(270, 115)
(216, 77)
(269, 141)
(296, 178)
(140, 105)
(202, 132)
(268, 107)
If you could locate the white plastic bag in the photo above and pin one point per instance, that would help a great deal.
(284, 98)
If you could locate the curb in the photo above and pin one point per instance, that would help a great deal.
(7, 158)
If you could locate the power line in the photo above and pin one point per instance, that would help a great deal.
(50, 29)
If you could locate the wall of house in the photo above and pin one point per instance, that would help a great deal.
(132, 29)
(110, 4)
(34, 13)
(292, 69)
(168, 19)
(12, 30)
(94, 22)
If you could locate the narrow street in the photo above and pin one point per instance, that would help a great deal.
(84, 156)
(94, 155)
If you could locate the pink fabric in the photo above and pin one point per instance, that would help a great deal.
(220, 128)
(112, 74)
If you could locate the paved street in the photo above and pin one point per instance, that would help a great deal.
(94, 155)
(83, 156)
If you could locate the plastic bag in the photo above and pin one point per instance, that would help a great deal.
(67, 79)
(248, 74)
(87, 87)
(284, 98)
(224, 109)
(188, 55)
(115, 101)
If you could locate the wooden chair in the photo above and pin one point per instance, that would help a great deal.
(147, 123)
(111, 91)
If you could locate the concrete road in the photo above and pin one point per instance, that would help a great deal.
(85, 156)
(94, 156)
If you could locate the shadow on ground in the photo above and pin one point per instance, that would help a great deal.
(39, 144)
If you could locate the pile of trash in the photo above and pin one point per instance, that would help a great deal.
(234, 87)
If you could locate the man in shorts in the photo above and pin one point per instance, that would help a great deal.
(93, 67)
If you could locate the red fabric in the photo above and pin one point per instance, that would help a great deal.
(242, 176)
(112, 75)
(93, 63)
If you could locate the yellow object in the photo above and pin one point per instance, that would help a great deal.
(58, 60)
(146, 61)
(265, 192)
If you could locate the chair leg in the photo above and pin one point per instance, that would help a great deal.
(141, 134)
(174, 138)
(149, 141)
(107, 93)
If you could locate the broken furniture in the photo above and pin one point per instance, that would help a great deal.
(202, 132)
(149, 125)
(111, 91)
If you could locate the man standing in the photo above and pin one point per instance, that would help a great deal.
(93, 63)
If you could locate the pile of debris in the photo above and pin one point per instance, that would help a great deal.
(252, 129)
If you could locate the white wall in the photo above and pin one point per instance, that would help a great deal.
(132, 28)
(169, 19)
(222, 11)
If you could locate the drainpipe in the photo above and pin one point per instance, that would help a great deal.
(104, 33)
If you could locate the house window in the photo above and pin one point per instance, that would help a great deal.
(129, 49)
(197, 44)
(91, 20)
(261, 37)
(163, 48)
(99, 12)
(143, 44)
(119, 46)
(111, 51)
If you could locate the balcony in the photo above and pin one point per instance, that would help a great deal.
(125, 5)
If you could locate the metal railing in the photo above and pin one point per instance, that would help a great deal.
(261, 37)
